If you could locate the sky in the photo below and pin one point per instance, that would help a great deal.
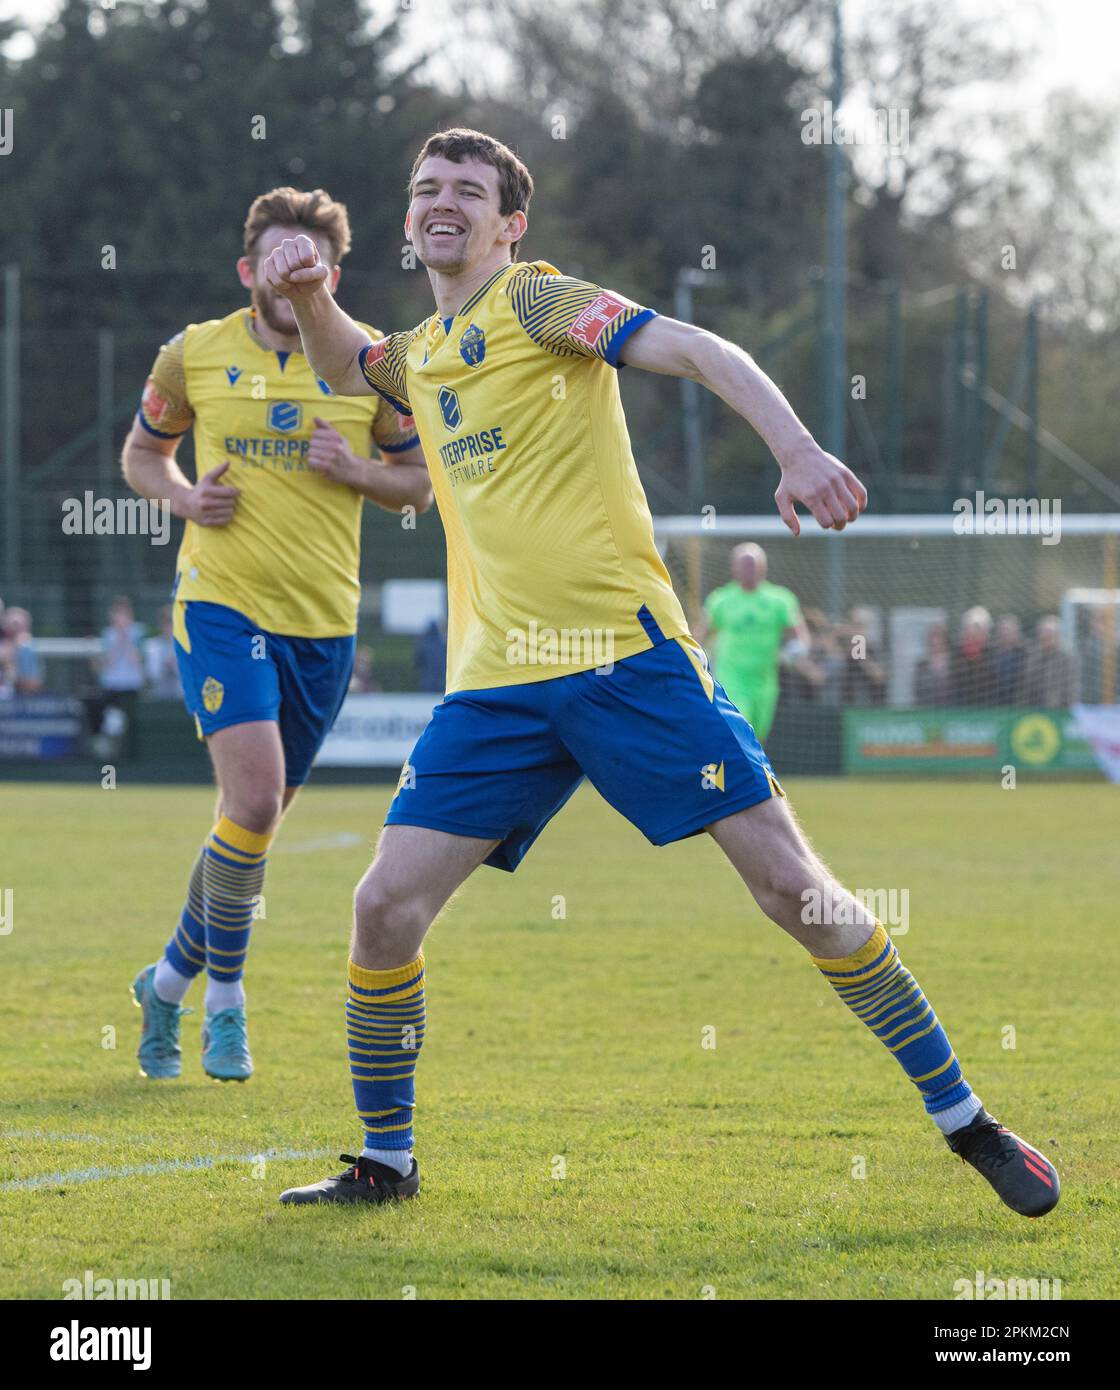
(1078, 41)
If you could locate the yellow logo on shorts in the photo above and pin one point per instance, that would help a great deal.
(711, 776)
(213, 692)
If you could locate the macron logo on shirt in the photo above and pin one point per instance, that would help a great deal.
(594, 320)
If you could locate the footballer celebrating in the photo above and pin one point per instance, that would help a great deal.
(266, 591)
(513, 386)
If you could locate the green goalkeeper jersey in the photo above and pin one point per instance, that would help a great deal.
(749, 625)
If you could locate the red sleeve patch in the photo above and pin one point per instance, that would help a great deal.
(375, 352)
(589, 327)
(155, 405)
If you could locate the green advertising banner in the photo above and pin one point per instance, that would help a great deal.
(963, 740)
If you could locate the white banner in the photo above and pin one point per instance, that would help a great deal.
(1099, 725)
(376, 730)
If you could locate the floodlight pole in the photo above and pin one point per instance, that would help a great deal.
(835, 346)
(11, 433)
(688, 277)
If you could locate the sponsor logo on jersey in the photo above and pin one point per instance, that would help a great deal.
(213, 693)
(233, 373)
(591, 324)
(450, 408)
(472, 346)
(284, 416)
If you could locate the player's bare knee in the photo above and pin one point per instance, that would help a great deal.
(257, 810)
(384, 919)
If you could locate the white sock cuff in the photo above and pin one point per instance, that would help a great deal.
(169, 984)
(957, 1116)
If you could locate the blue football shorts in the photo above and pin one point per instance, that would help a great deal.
(655, 735)
(234, 672)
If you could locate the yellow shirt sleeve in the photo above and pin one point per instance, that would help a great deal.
(165, 409)
(393, 433)
(574, 318)
(384, 366)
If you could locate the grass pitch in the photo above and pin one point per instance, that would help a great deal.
(576, 1136)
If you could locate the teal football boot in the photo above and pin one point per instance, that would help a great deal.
(225, 1046)
(159, 1053)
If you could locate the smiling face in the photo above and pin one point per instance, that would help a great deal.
(272, 308)
(455, 220)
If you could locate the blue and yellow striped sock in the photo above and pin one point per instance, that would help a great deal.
(186, 951)
(233, 864)
(385, 1013)
(878, 988)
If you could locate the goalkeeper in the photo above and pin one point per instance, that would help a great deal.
(756, 626)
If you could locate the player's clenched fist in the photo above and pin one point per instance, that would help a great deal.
(294, 268)
(329, 454)
(211, 502)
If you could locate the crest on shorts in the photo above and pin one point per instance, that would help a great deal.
(213, 693)
(472, 346)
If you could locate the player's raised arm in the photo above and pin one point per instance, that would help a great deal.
(331, 338)
(830, 490)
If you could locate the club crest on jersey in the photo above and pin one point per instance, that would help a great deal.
(233, 373)
(472, 346)
(213, 692)
(284, 416)
(450, 408)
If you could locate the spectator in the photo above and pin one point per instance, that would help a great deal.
(431, 658)
(971, 669)
(808, 676)
(6, 653)
(865, 677)
(1009, 661)
(22, 660)
(363, 681)
(120, 668)
(826, 657)
(161, 668)
(932, 676)
(1099, 651)
(1049, 675)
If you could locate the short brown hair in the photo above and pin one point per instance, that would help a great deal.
(515, 183)
(316, 211)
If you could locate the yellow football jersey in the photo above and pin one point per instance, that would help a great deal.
(551, 561)
(289, 558)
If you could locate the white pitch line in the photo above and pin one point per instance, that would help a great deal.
(136, 1170)
(344, 839)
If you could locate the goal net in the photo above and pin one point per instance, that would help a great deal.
(918, 614)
